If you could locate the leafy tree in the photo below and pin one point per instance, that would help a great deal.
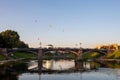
(21, 44)
(11, 39)
(1, 40)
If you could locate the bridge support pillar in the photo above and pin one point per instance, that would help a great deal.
(4, 51)
(79, 65)
(79, 55)
(40, 60)
(40, 54)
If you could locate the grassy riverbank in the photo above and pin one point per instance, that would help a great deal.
(91, 55)
(114, 55)
(46, 57)
(25, 55)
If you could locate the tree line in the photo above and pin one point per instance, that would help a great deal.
(11, 39)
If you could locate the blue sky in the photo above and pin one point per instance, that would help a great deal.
(63, 23)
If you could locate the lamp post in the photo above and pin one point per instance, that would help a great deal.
(40, 45)
(80, 45)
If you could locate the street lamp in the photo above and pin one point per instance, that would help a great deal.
(80, 45)
(40, 44)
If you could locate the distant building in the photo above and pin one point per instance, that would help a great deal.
(49, 46)
(112, 47)
(119, 47)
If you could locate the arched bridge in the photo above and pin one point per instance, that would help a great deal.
(31, 50)
(75, 51)
(101, 51)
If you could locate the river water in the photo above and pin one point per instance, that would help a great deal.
(60, 70)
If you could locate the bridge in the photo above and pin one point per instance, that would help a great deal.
(75, 51)
(31, 50)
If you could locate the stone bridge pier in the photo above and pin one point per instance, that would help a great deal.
(4, 52)
(79, 55)
(40, 54)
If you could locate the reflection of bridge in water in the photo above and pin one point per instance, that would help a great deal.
(48, 66)
(61, 66)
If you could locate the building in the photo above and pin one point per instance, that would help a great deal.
(50, 46)
(110, 46)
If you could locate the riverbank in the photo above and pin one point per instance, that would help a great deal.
(110, 60)
(11, 60)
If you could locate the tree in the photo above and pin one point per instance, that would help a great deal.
(1, 40)
(21, 44)
(11, 39)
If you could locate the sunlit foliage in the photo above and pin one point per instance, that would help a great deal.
(91, 55)
(114, 55)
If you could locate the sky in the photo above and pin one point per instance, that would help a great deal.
(62, 23)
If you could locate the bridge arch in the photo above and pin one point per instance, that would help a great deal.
(27, 52)
(22, 51)
(73, 52)
(100, 52)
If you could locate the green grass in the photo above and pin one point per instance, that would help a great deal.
(71, 56)
(47, 57)
(114, 55)
(2, 57)
(91, 55)
(25, 55)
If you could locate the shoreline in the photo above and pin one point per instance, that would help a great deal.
(11, 60)
(110, 60)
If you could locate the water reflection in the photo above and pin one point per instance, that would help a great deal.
(39, 68)
(58, 65)
(59, 69)
(69, 65)
(11, 71)
(79, 66)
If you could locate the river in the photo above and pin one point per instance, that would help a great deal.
(60, 70)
